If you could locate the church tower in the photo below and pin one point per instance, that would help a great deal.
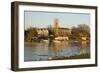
(56, 26)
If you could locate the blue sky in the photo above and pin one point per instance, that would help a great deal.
(44, 19)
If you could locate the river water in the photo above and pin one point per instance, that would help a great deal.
(42, 51)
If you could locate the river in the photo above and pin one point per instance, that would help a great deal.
(42, 51)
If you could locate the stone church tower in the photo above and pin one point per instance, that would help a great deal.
(56, 27)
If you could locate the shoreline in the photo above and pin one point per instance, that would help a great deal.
(81, 56)
(57, 41)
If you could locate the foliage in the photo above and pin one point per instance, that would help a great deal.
(29, 33)
(76, 34)
(80, 31)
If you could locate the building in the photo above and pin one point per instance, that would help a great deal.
(57, 31)
(42, 32)
(56, 27)
(60, 32)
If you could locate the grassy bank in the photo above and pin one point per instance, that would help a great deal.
(81, 56)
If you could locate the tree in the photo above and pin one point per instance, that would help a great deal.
(75, 33)
(82, 30)
(51, 32)
(50, 29)
(84, 27)
(29, 33)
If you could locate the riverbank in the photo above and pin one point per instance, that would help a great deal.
(66, 43)
(81, 56)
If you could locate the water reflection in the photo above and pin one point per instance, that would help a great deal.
(43, 50)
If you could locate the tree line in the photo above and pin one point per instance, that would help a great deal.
(77, 33)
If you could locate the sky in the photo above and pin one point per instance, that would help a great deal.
(45, 19)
